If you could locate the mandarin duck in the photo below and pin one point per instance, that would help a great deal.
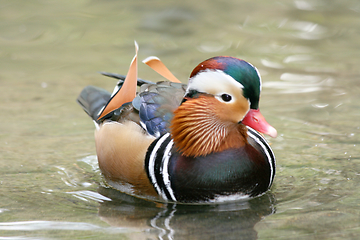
(194, 143)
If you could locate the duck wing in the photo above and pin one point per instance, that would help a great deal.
(156, 104)
(152, 108)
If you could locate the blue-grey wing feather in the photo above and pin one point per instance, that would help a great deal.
(156, 104)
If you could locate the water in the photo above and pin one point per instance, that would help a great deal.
(308, 55)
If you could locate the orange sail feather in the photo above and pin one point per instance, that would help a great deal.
(128, 90)
(159, 67)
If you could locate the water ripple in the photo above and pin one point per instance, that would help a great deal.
(299, 83)
(304, 5)
(54, 225)
(89, 195)
(308, 30)
(271, 64)
(297, 58)
(91, 161)
(212, 47)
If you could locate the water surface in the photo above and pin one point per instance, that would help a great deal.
(308, 55)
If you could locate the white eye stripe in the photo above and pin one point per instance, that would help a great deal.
(215, 82)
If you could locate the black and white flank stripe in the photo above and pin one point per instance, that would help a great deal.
(156, 165)
(261, 141)
(159, 154)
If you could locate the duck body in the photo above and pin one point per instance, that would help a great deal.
(185, 143)
(232, 174)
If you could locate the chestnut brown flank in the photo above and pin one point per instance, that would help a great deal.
(121, 150)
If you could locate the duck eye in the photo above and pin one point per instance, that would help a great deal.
(226, 97)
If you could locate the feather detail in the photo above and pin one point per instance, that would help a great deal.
(198, 129)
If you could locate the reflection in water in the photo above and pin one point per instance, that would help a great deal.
(175, 221)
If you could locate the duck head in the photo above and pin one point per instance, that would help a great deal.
(232, 80)
(223, 93)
